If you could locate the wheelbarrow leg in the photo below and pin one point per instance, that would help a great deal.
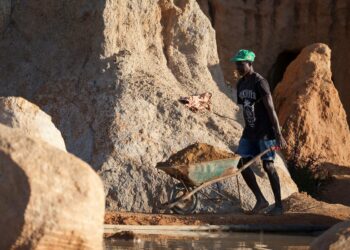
(187, 206)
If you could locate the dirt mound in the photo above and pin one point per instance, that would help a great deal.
(194, 153)
(333, 190)
(308, 105)
(304, 203)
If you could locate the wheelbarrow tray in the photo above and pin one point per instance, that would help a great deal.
(195, 174)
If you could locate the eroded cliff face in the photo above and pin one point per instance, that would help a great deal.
(278, 30)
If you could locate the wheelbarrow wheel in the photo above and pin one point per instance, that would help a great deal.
(185, 207)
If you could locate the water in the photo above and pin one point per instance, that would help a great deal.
(188, 240)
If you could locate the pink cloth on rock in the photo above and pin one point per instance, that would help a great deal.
(197, 102)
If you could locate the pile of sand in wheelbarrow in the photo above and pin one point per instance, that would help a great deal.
(178, 165)
(198, 152)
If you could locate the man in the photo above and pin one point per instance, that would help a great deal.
(261, 129)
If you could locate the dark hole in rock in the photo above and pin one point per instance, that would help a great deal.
(277, 70)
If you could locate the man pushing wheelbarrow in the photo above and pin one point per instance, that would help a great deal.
(261, 137)
(261, 131)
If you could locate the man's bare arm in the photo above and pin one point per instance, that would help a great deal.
(268, 102)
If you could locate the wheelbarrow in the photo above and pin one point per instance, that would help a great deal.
(183, 198)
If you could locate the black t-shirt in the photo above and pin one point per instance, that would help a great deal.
(250, 90)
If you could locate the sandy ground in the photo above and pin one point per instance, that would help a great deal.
(300, 209)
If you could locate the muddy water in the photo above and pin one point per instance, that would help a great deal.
(213, 241)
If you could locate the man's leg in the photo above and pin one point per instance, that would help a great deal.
(249, 177)
(275, 185)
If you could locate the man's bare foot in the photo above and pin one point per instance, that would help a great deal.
(260, 205)
(276, 210)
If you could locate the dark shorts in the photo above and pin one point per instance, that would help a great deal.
(251, 148)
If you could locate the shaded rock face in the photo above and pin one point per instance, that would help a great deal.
(335, 238)
(309, 109)
(16, 112)
(48, 199)
(109, 73)
(278, 30)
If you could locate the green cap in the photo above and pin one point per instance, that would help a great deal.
(243, 55)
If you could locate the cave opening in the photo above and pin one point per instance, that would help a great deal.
(277, 70)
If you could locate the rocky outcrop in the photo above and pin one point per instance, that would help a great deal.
(309, 109)
(278, 30)
(48, 199)
(16, 112)
(336, 238)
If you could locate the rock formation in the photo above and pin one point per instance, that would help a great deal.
(110, 73)
(309, 109)
(336, 238)
(48, 199)
(278, 30)
(16, 112)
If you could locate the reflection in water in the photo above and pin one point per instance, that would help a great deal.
(241, 241)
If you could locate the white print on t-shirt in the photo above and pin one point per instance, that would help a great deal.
(248, 111)
(247, 93)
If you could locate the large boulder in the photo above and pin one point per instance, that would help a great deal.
(309, 109)
(278, 30)
(335, 238)
(16, 112)
(49, 199)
